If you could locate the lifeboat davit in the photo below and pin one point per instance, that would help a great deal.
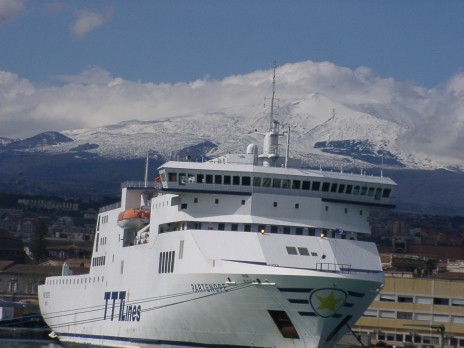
(133, 219)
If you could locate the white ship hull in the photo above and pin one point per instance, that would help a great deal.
(204, 308)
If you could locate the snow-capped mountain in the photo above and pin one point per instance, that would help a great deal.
(323, 133)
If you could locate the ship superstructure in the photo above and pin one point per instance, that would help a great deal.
(244, 250)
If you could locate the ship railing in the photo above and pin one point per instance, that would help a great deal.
(109, 207)
(138, 184)
(333, 267)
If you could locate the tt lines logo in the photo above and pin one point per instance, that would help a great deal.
(129, 313)
(326, 302)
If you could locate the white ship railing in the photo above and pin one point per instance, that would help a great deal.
(109, 207)
(333, 267)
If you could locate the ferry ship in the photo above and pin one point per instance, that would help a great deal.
(244, 250)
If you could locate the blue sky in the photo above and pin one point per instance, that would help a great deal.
(173, 41)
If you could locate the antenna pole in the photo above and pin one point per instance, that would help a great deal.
(146, 170)
(271, 118)
(288, 147)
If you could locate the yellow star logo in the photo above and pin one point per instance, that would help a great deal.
(328, 302)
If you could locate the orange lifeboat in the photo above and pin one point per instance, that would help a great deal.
(134, 218)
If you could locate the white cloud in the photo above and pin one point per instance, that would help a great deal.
(87, 20)
(434, 118)
(10, 9)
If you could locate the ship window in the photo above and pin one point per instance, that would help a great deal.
(291, 251)
(303, 251)
(349, 189)
(247, 228)
(286, 230)
(195, 200)
(273, 229)
(181, 249)
(183, 206)
(284, 324)
(299, 231)
(191, 178)
(200, 178)
(356, 190)
(276, 182)
(296, 184)
(311, 232)
(325, 186)
(346, 210)
(371, 191)
(386, 193)
(256, 181)
(334, 188)
(326, 208)
(172, 177)
(306, 185)
(341, 188)
(266, 182)
(236, 180)
(227, 180)
(246, 180)
(234, 227)
(363, 190)
(316, 185)
(209, 178)
(216, 201)
(313, 253)
(218, 179)
(182, 179)
(275, 204)
(243, 202)
(262, 228)
(297, 206)
(285, 183)
(378, 193)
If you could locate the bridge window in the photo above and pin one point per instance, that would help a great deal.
(378, 193)
(285, 183)
(247, 228)
(234, 227)
(256, 181)
(276, 183)
(182, 179)
(191, 178)
(221, 227)
(325, 187)
(200, 178)
(303, 251)
(316, 185)
(262, 228)
(246, 181)
(356, 190)
(227, 180)
(291, 251)
(306, 185)
(296, 184)
(363, 190)
(183, 206)
(286, 230)
(172, 177)
(341, 188)
(334, 188)
(349, 189)
(218, 179)
(371, 191)
(386, 193)
(236, 180)
(274, 229)
(266, 182)
(299, 231)
(209, 178)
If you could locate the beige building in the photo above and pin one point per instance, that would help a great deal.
(406, 301)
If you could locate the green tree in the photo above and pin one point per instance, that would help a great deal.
(39, 243)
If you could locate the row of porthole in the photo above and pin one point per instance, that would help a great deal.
(83, 281)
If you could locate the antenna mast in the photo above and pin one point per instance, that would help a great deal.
(271, 117)
(146, 170)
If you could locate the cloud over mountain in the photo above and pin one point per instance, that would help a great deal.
(432, 120)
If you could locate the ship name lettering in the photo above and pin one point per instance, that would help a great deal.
(208, 288)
